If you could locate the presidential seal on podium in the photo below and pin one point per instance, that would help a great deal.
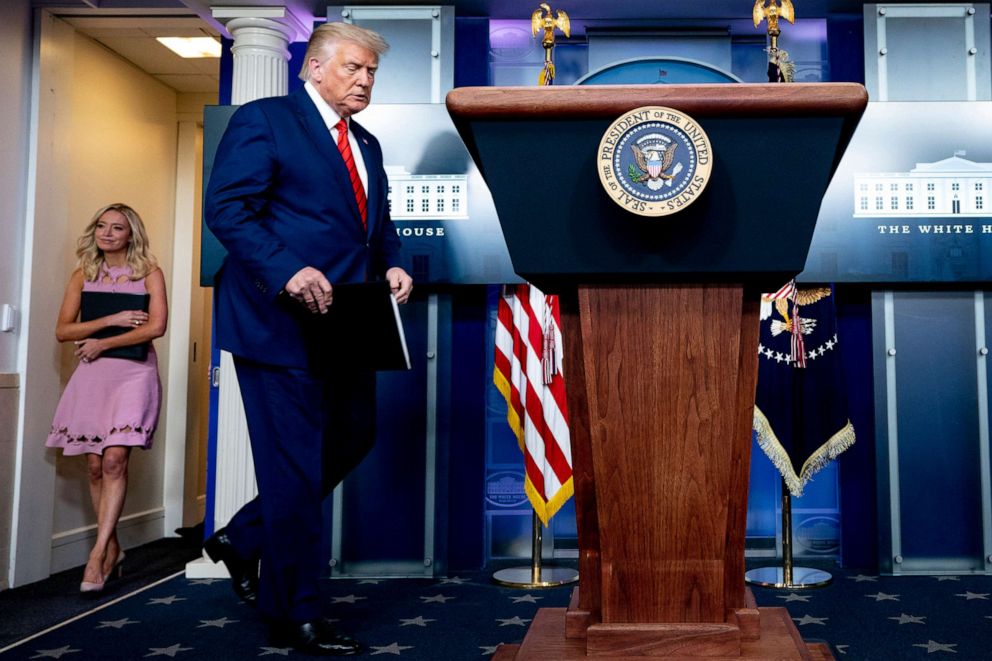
(654, 161)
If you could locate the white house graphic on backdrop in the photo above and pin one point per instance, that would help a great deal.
(426, 196)
(953, 187)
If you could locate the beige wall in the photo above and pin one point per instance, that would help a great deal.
(15, 77)
(8, 433)
(98, 131)
(123, 149)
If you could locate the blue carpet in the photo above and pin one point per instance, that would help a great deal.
(466, 617)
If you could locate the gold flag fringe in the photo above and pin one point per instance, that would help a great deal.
(772, 447)
(544, 509)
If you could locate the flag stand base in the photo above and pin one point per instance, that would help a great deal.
(802, 578)
(523, 577)
(788, 577)
(535, 576)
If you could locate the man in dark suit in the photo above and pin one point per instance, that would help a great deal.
(298, 197)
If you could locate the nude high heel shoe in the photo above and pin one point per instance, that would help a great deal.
(87, 588)
(90, 587)
(118, 569)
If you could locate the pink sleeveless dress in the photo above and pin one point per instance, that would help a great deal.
(109, 401)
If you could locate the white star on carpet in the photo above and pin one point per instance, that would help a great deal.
(170, 651)
(369, 581)
(281, 651)
(932, 646)
(909, 619)
(205, 581)
(881, 596)
(394, 648)
(796, 597)
(454, 580)
(947, 578)
(350, 599)
(436, 599)
(842, 648)
(809, 619)
(515, 620)
(527, 598)
(488, 651)
(116, 624)
(216, 623)
(168, 601)
(419, 621)
(54, 654)
(970, 596)
(861, 578)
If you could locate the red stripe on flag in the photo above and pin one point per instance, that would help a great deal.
(528, 376)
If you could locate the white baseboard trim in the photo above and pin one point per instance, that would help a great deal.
(71, 548)
(206, 568)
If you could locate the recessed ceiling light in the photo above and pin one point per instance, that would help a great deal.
(191, 46)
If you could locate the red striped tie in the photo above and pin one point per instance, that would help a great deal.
(349, 161)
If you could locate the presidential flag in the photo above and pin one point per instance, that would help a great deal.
(528, 373)
(800, 415)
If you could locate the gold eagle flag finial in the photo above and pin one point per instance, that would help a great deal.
(779, 67)
(545, 21)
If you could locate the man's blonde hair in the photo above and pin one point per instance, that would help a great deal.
(325, 39)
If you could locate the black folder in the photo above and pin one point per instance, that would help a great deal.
(362, 328)
(96, 304)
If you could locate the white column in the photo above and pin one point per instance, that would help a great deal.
(261, 59)
(235, 478)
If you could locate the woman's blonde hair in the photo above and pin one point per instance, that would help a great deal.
(325, 39)
(141, 261)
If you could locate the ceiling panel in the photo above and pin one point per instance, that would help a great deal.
(133, 38)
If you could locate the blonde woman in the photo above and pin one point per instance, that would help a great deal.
(110, 405)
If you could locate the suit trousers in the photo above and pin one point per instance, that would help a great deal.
(308, 429)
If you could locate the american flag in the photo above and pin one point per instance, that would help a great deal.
(528, 374)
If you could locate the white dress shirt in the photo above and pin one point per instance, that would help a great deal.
(331, 118)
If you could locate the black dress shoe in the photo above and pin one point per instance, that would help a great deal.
(317, 638)
(244, 574)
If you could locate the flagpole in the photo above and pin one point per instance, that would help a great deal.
(535, 576)
(545, 22)
(788, 576)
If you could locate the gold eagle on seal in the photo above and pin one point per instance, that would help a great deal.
(653, 160)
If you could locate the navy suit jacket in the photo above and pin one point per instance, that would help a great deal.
(280, 199)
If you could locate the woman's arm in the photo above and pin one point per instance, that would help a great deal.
(67, 328)
(158, 319)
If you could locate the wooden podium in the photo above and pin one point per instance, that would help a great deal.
(660, 324)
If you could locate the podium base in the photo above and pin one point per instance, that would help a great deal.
(803, 578)
(523, 577)
(546, 639)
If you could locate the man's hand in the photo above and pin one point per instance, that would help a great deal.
(400, 283)
(310, 287)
